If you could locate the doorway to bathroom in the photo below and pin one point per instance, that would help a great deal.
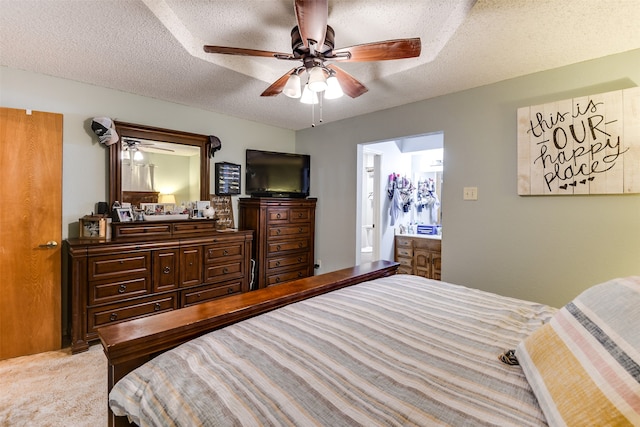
(417, 159)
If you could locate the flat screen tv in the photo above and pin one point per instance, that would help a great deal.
(272, 174)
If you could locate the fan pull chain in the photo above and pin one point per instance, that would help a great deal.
(321, 96)
(313, 119)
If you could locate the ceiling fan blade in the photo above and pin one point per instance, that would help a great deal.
(312, 20)
(277, 86)
(380, 51)
(350, 85)
(246, 52)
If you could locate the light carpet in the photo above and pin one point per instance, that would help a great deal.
(54, 388)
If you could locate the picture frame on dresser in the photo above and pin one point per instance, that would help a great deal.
(124, 214)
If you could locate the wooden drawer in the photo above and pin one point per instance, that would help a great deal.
(404, 241)
(165, 269)
(140, 229)
(278, 215)
(114, 313)
(193, 227)
(222, 271)
(276, 279)
(100, 293)
(300, 215)
(217, 253)
(190, 266)
(403, 269)
(287, 245)
(402, 251)
(136, 264)
(207, 293)
(288, 261)
(287, 231)
(405, 261)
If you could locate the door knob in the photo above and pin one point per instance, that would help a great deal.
(50, 244)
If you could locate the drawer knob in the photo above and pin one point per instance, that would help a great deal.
(225, 252)
(278, 231)
(278, 216)
(114, 316)
(299, 259)
(277, 279)
(229, 290)
(121, 261)
(156, 307)
(277, 263)
(278, 247)
(300, 274)
(300, 215)
(122, 289)
(225, 270)
(300, 230)
(300, 244)
(166, 270)
(198, 295)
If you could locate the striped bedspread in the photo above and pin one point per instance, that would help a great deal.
(401, 350)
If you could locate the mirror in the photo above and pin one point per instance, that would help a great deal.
(148, 163)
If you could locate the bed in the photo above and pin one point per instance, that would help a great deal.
(365, 347)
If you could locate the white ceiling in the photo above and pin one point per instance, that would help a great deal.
(154, 47)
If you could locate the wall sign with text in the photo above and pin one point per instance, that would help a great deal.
(586, 145)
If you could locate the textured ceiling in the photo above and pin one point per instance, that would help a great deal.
(154, 47)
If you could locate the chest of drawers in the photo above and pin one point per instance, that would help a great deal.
(284, 237)
(115, 280)
(419, 256)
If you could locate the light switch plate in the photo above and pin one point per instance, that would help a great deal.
(470, 193)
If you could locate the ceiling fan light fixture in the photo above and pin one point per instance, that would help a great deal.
(138, 156)
(334, 90)
(125, 155)
(292, 88)
(317, 79)
(308, 96)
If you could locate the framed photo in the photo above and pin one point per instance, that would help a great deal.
(95, 227)
(157, 208)
(124, 214)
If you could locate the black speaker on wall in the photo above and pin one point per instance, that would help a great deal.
(102, 208)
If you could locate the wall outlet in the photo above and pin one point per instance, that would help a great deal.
(318, 264)
(470, 193)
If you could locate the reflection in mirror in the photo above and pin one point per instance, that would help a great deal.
(165, 168)
(148, 163)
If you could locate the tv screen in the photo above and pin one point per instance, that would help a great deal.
(272, 174)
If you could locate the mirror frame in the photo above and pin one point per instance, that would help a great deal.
(130, 130)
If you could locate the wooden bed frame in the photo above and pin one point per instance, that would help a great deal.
(130, 344)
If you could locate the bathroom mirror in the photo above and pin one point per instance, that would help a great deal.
(149, 164)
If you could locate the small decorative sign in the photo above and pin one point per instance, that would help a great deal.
(224, 211)
(586, 145)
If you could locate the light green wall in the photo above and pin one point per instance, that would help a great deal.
(85, 161)
(545, 249)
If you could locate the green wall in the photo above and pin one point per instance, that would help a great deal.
(543, 248)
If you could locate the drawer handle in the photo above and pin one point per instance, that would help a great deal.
(166, 270)
(114, 316)
(277, 279)
(198, 295)
(156, 307)
(229, 290)
(277, 263)
(299, 273)
(299, 259)
(122, 289)
(121, 261)
(278, 231)
(191, 263)
(278, 247)
(225, 270)
(300, 230)
(278, 216)
(225, 252)
(300, 244)
(300, 214)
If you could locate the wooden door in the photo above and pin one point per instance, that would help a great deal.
(30, 232)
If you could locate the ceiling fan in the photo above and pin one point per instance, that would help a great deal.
(312, 43)
(136, 146)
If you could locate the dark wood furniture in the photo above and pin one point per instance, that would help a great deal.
(420, 256)
(137, 197)
(129, 344)
(149, 268)
(284, 239)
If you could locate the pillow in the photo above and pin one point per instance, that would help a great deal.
(584, 365)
